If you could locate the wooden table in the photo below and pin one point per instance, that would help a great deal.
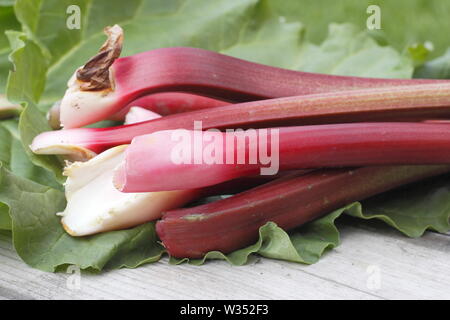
(372, 262)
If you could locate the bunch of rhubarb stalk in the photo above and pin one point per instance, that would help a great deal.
(338, 140)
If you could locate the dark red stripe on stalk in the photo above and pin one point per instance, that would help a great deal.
(233, 223)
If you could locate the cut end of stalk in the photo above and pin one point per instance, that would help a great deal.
(94, 205)
(70, 152)
(95, 75)
(53, 116)
(68, 230)
(73, 169)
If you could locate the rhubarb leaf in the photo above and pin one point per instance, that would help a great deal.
(12, 153)
(5, 220)
(350, 52)
(14, 157)
(47, 23)
(27, 81)
(260, 41)
(32, 122)
(438, 68)
(304, 245)
(7, 3)
(8, 21)
(25, 85)
(4, 68)
(412, 209)
(6, 13)
(41, 242)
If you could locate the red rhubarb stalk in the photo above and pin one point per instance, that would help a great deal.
(106, 83)
(164, 103)
(167, 103)
(177, 159)
(407, 103)
(242, 184)
(233, 223)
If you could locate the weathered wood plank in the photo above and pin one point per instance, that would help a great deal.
(373, 262)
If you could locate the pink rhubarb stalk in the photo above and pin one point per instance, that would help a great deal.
(408, 103)
(233, 223)
(166, 103)
(106, 84)
(177, 159)
(138, 114)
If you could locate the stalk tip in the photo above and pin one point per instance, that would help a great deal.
(94, 75)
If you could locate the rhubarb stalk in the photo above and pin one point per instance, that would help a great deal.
(233, 223)
(138, 114)
(407, 103)
(166, 103)
(177, 159)
(106, 83)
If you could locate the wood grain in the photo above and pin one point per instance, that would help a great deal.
(373, 262)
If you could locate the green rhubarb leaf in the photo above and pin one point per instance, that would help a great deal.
(32, 122)
(27, 80)
(438, 68)
(403, 22)
(350, 52)
(25, 85)
(4, 68)
(261, 39)
(42, 243)
(5, 220)
(305, 245)
(7, 22)
(12, 154)
(14, 157)
(7, 3)
(45, 22)
(414, 209)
